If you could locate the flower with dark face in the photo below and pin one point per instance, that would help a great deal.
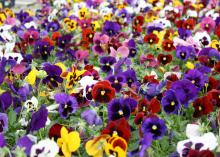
(53, 75)
(22, 16)
(53, 26)
(3, 122)
(103, 92)
(154, 126)
(67, 104)
(214, 96)
(63, 41)
(130, 77)
(217, 67)
(43, 49)
(196, 77)
(116, 81)
(182, 52)
(151, 39)
(189, 24)
(100, 41)
(207, 24)
(107, 62)
(167, 45)
(87, 36)
(132, 48)
(202, 106)
(170, 102)
(118, 127)
(31, 36)
(185, 91)
(164, 59)
(111, 28)
(117, 109)
(184, 33)
(147, 107)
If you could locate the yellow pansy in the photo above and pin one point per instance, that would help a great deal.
(72, 24)
(107, 17)
(69, 142)
(31, 77)
(215, 44)
(95, 147)
(160, 35)
(190, 65)
(73, 77)
(9, 12)
(82, 13)
(3, 17)
(116, 146)
(95, 25)
(150, 16)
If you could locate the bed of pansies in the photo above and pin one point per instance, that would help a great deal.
(110, 78)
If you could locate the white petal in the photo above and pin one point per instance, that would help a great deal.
(192, 130)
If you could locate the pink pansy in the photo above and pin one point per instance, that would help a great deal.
(151, 61)
(100, 41)
(31, 36)
(122, 51)
(81, 54)
(19, 69)
(207, 24)
(11, 21)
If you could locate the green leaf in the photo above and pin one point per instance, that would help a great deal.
(12, 117)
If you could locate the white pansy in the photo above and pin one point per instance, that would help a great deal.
(52, 15)
(32, 104)
(30, 24)
(11, 55)
(165, 23)
(201, 38)
(191, 13)
(87, 81)
(193, 130)
(44, 148)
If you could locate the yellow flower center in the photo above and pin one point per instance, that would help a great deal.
(144, 108)
(120, 112)
(164, 58)
(151, 40)
(182, 54)
(168, 45)
(200, 108)
(107, 64)
(90, 35)
(207, 25)
(90, 89)
(115, 133)
(193, 81)
(102, 92)
(116, 81)
(219, 96)
(172, 103)
(154, 127)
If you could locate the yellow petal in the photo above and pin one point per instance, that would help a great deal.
(64, 134)
(66, 151)
(31, 77)
(61, 65)
(190, 65)
(73, 141)
(60, 142)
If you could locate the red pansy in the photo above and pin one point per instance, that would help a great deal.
(151, 39)
(164, 59)
(167, 45)
(202, 106)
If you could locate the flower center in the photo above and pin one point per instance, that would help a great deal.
(172, 103)
(182, 54)
(116, 81)
(115, 133)
(90, 35)
(154, 127)
(219, 96)
(144, 108)
(107, 64)
(90, 89)
(207, 26)
(120, 112)
(164, 58)
(193, 81)
(200, 108)
(102, 92)
(65, 106)
(151, 40)
(168, 45)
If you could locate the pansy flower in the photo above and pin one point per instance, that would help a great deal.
(67, 104)
(43, 49)
(116, 146)
(91, 117)
(202, 106)
(69, 142)
(3, 17)
(111, 28)
(154, 126)
(167, 45)
(31, 105)
(116, 81)
(184, 33)
(202, 38)
(5, 101)
(71, 24)
(189, 24)
(53, 26)
(44, 147)
(3, 122)
(152, 106)
(122, 51)
(107, 62)
(103, 92)
(53, 75)
(207, 24)
(118, 127)
(87, 36)
(100, 43)
(151, 39)
(130, 77)
(217, 67)
(31, 36)
(63, 41)
(170, 102)
(164, 58)
(183, 52)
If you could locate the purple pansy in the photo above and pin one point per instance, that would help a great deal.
(132, 48)
(53, 75)
(38, 119)
(182, 52)
(170, 102)
(116, 81)
(5, 101)
(26, 143)
(43, 49)
(67, 104)
(91, 117)
(53, 26)
(64, 41)
(118, 108)
(184, 33)
(130, 77)
(196, 77)
(154, 126)
(185, 91)
(2, 140)
(107, 62)
(111, 28)
(3, 122)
